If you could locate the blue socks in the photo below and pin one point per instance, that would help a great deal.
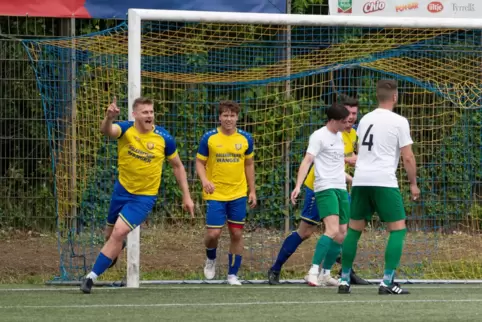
(101, 264)
(211, 253)
(289, 246)
(234, 262)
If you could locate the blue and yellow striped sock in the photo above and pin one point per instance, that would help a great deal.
(234, 264)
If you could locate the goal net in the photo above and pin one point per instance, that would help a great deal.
(284, 71)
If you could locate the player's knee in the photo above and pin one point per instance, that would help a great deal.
(304, 234)
(107, 232)
(396, 225)
(358, 225)
(120, 231)
(213, 234)
(342, 231)
(332, 226)
(236, 235)
(305, 230)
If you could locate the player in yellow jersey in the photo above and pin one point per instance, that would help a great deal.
(142, 148)
(225, 166)
(309, 215)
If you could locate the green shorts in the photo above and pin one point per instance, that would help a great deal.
(386, 202)
(333, 202)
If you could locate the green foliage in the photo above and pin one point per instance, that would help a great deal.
(308, 6)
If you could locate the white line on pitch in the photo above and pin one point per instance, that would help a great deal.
(92, 306)
(207, 286)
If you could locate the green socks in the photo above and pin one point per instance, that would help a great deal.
(350, 245)
(393, 253)
(322, 248)
(331, 255)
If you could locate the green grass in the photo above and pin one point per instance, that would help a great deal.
(246, 303)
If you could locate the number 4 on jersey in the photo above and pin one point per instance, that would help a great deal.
(368, 136)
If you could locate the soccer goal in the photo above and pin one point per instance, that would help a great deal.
(284, 70)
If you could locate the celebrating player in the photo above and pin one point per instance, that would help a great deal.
(326, 149)
(309, 214)
(142, 148)
(225, 166)
(384, 135)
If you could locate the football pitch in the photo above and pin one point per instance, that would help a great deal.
(244, 303)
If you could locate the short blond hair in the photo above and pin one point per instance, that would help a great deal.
(386, 88)
(142, 101)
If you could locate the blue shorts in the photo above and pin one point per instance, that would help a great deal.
(132, 209)
(218, 211)
(310, 214)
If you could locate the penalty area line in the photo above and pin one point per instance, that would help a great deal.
(166, 305)
(226, 286)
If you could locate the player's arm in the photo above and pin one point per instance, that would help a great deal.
(180, 174)
(351, 160)
(348, 178)
(302, 172)
(107, 127)
(249, 172)
(249, 169)
(304, 168)
(314, 147)
(409, 163)
(201, 160)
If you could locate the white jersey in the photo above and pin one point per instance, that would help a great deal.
(329, 152)
(381, 135)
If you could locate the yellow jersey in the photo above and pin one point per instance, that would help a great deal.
(140, 157)
(350, 140)
(225, 156)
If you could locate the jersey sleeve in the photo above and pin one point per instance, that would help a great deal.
(404, 137)
(250, 151)
(203, 151)
(170, 150)
(315, 144)
(123, 126)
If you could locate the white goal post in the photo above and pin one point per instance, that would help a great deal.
(136, 16)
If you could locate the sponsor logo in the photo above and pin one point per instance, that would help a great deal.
(374, 6)
(344, 6)
(469, 7)
(435, 7)
(407, 6)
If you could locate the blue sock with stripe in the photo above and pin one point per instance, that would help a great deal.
(234, 264)
(101, 264)
(289, 246)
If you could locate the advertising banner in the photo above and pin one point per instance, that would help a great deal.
(118, 8)
(408, 8)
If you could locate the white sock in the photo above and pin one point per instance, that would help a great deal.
(326, 271)
(231, 276)
(315, 269)
(92, 275)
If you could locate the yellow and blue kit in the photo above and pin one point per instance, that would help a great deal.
(140, 160)
(225, 156)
